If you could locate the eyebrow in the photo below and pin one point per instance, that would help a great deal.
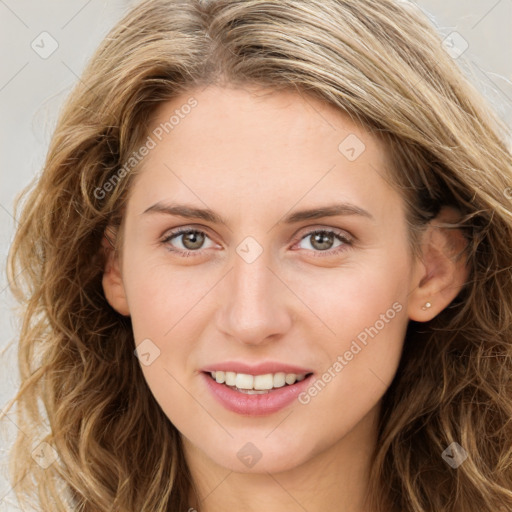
(191, 212)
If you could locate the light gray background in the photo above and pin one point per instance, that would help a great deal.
(32, 89)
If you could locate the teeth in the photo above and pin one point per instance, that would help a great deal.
(280, 379)
(256, 384)
(290, 378)
(264, 381)
(244, 381)
(230, 378)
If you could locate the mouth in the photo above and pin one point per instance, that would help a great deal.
(256, 384)
(256, 393)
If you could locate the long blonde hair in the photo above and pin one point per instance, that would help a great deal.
(381, 62)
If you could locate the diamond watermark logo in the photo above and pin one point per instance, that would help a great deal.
(455, 45)
(454, 455)
(351, 147)
(45, 455)
(147, 352)
(44, 45)
(249, 249)
(249, 454)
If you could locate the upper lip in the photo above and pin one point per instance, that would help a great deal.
(255, 369)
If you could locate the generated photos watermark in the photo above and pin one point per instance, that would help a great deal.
(151, 142)
(343, 360)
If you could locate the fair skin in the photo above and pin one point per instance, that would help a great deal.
(254, 158)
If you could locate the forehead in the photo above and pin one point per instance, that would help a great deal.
(257, 145)
(257, 113)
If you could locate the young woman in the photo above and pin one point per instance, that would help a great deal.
(268, 267)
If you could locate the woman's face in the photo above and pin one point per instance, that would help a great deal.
(303, 288)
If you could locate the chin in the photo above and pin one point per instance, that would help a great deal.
(258, 454)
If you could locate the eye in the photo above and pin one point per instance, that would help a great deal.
(321, 241)
(191, 240)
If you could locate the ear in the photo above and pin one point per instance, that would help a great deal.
(441, 271)
(112, 282)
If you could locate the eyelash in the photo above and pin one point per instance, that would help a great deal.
(347, 242)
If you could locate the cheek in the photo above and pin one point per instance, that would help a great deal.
(365, 311)
(162, 297)
(348, 299)
(164, 306)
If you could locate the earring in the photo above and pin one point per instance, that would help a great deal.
(426, 306)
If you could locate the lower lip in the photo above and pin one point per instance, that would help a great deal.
(255, 405)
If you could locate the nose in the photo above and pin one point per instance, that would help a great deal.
(255, 305)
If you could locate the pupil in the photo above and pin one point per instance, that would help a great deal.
(193, 238)
(318, 239)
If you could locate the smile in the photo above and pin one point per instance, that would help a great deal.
(256, 384)
(255, 395)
